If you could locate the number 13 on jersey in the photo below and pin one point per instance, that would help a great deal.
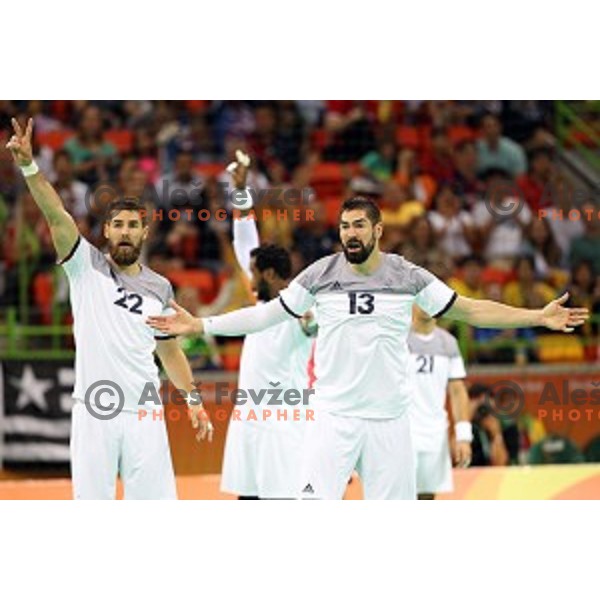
(362, 303)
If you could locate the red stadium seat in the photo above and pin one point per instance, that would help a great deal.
(318, 139)
(202, 280)
(329, 178)
(43, 293)
(122, 139)
(415, 138)
(332, 210)
(54, 140)
(209, 170)
(460, 133)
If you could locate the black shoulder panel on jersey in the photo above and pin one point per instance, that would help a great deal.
(288, 309)
(73, 250)
(447, 307)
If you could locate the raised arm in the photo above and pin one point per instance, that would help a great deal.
(62, 226)
(487, 313)
(245, 231)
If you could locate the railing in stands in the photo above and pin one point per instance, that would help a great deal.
(572, 130)
(21, 342)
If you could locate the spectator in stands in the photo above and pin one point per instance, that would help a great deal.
(422, 249)
(93, 157)
(587, 247)
(582, 286)
(419, 186)
(453, 226)
(465, 178)
(232, 119)
(349, 129)
(145, 151)
(526, 291)
(398, 209)
(380, 164)
(501, 220)
(494, 151)
(488, 447)
(540, 244)
(289, 143)
(565, 230)
(182, 188)
(468, 282)
(315, 239)
(494, 345)
(263, 139)
(197, 139)
(37, 110)
(537, 184)
(74, 193)
(438, 161)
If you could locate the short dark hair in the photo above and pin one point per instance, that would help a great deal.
(271, 256)
(362, 203)
(471, 258)
(119, 204)
(61, 153)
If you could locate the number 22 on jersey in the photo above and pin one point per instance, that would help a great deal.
(130, 302)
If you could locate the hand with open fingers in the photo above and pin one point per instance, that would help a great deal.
(180, 323)
(560, 318)
(462, 454)
(239, 169)
(20, 143)
(201, 422)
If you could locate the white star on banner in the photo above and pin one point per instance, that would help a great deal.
(32, 390)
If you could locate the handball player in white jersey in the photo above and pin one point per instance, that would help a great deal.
(364, 301)
(263, 450)
(116, 379)
(435, 367)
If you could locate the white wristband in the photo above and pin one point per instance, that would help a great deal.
(30, 169)
(464, 431)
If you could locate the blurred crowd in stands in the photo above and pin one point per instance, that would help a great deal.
(444, 173)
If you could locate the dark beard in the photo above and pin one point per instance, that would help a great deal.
(263, 291)
(124, 256)
(357, 258)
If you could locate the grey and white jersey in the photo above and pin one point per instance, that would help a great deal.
(361, 357)
(435, 360)
(112, 339)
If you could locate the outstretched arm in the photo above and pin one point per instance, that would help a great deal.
(62, 226)
(487, 313)
(239, 322)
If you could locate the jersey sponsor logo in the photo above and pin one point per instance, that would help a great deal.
(308, 489)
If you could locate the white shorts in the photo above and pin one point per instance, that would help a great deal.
(262, 461)
(379, 449)
(434, 470)
(135, 449)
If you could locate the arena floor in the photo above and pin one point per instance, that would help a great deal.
(560, 482)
